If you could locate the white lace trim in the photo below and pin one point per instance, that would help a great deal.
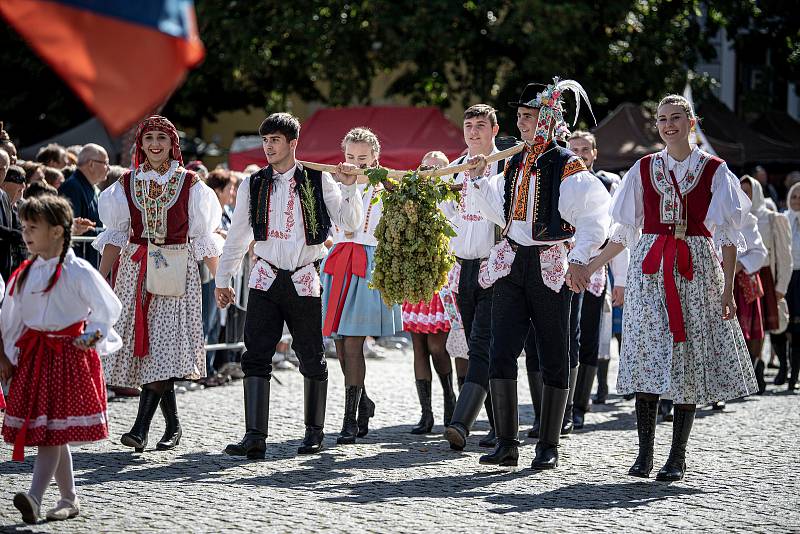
(729, 237)
(153, 175)
(624, 234)
(74, 421)
(206, 247)
(110, 236)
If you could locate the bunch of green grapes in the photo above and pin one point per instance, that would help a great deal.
(413, 255)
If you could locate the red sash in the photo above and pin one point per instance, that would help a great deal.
(141, 337)
(665, 250)
(345, 260)
(35, 344)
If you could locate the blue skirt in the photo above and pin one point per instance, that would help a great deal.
(363, 313)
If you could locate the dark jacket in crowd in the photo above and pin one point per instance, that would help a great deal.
(83, 197)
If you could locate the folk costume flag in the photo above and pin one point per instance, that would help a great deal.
(122, 58)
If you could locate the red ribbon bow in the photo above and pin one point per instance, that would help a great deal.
(666, 250)
(35, 344)
(345, 260)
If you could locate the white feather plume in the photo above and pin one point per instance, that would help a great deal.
(577, 89)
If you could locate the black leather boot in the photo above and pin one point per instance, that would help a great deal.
(461, 381)
(352, 397)
(489, 441)
(554, 402)
(172, 430)
(602, 382)
(535, 383)
(137, 436)
(506, 424)
(759, 370)
(467, 409)
(675, 467)
(583, 391)
(425, 424)
(256, 420)
(646, 411)
(449, 397)
(316, 397)
(567, 425)
(366, 411)
(795, 369)
(779, 346)
(665, 410)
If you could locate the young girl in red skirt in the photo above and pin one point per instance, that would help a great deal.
(57, 314)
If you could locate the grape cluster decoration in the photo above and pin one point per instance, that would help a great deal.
(413, 255)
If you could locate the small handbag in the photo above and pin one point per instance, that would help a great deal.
(166, 267)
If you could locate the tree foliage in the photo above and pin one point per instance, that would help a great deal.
(439, 52)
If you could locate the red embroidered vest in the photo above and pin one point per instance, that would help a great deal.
(663, 208)
(176, 206)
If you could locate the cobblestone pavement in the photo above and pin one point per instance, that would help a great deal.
(742, 469)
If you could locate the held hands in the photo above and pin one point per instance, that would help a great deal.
(728, 304)
(342, 176)
(88, 340)
(577, 277)
(224, 297)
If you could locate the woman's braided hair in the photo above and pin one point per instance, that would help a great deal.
(55, 211)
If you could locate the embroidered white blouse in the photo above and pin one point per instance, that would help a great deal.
(80, 294)
(726, 213)
(474, 232)
(205, 213)
(365, 233)
(583, 202)
(286, 247)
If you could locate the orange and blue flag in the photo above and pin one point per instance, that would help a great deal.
(123, 58)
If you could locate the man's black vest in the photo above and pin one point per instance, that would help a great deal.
(261, 193)
(555, 164)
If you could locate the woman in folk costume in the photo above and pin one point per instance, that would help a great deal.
(793, 292)
(351, 310)
(776, 272)
(427, 322)
(680, 339)
(58, 314)
(159, 219)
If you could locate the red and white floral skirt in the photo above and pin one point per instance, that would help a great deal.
(425, 317)
(57, 395)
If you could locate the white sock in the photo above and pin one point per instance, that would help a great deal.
(43, 470)
(64, 477)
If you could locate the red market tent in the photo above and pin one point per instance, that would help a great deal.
(406, 134)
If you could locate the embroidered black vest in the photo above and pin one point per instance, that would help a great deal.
(547, 173)
(316, 225)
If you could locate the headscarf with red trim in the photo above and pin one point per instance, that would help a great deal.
(161, 124)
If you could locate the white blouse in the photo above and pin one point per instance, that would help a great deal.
(205, 214)
(726, 214)
(286, 247)
(365, 233)
(474, 232)
(80, 294)
(583, 202)
(755, 254)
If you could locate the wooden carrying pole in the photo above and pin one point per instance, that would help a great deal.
(443, 171)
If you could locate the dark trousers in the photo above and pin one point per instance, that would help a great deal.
(263, 328)
(521, 302)
(589, 333)
(475, 304)
(575, 305)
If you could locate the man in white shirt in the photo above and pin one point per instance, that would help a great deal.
(475, 236)
(554, 218)
(288, 210)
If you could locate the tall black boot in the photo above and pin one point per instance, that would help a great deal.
(449, 396)
(352, 397)
(172, 430)
(795, 366)
(256, 420)
(583, 391)
(567, 424)
(366, 411)
(675, 467)
(758, 367)
(602, 382)
(489, 441)
(137, 436)
(535, 383)
(461, 380)
(315, 393)
(506, 423)
(779, 345)
(646, 412)
(425, 424)
(665, 410)
(554, 402)
(467, 409)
